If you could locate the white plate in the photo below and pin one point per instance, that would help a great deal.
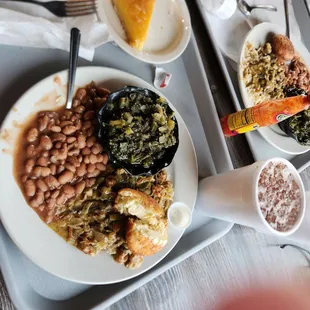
(258, 36)
(36, 239)
(168, 34)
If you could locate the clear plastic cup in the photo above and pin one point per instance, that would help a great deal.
(223, 9)
(233, 197)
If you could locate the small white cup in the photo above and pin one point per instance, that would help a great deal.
(179, 215)
(233, 197)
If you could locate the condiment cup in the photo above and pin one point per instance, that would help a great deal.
(179, 215)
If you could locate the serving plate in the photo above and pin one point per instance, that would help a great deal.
(168, 35)
(35, 238)
(258, 36)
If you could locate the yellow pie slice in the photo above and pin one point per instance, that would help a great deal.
(135, 16)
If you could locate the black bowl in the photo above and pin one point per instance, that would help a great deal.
(135, 169)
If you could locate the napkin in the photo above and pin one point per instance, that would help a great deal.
(30, 25)
(237, 27)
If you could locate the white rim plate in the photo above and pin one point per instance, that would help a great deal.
(258, 36)
(37, 241)
(168, 35)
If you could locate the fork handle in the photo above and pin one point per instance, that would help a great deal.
(73, 58)
(26, 1)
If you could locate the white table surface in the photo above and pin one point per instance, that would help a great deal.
(242, 258)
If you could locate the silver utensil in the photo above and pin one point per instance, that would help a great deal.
(73, 58)
(246, 9)
(287, 19)
(66, 8)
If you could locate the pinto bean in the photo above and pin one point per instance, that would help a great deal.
(90, 141)
(55, 193)
(30, 188)
(89, 115)
(91, 168)
(43, 121)
(68, 130)
(76, 103)
(31, 151)
(45, 154)
(69, 191)
(81, 140)
(96, 149)
(79, 187)
(42, 185)
(50, 203)
(86, 151)
(52, 182)
(60, 169)
(37, 200)
(81, 170)
(105, 158)
(32, 135)
(99, 102)
(101, 166)
(42, 161)
(70, 167)
(90, 131)
(71, 139)
(66, 177)
(29, 165)
(79, 109)
(55, 128)
(90, 182)
(39, 171)
(86, 159)
(61, 199)
(46, 143)
(86, 125)
(74, 161)
(93, 174)
(53, 169)
(65, 123)
(93, 159)
(80, 94)
(101, 91)
(58, 137)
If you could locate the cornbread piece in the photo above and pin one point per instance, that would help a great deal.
(135, 16)
(144, 239)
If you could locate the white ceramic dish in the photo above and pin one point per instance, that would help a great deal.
(258, 36)
(35, 238)
(168, 35)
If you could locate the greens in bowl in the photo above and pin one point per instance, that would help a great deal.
(139, 130)
(297, 126)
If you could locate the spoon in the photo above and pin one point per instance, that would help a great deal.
(287, 18)
(247, 9)
(75, 38)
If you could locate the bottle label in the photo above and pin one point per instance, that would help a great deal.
(242, 121)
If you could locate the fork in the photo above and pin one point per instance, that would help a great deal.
(66, 8)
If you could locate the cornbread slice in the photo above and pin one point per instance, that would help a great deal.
(136, 203)
(135, 16)
(143, 239)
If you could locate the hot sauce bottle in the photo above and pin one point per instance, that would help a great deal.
(263, 114)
